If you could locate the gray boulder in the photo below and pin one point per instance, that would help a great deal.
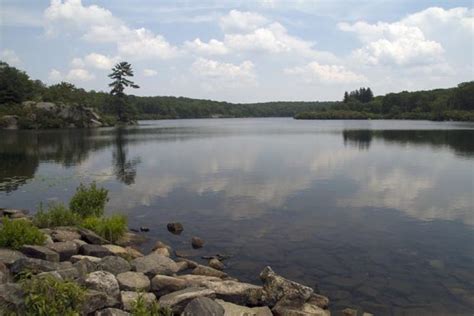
(91, 237)
(11, 296)
(111, 312)
(8, 256)
(40, 252)
(177, 301)
(85, 266)
(133, 281)
(154, 264)
(238, 310)
(163, 284)
(216, 264)
(94, 251)
(236, 292)
(97, 300)
(114, 265)
(175, 228)
(60, 235)
(208, 271)
(203, 306)
(36, 266)
(276, 288)
(103, 281)
(65, 249)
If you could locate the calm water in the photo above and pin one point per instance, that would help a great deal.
(376, 214)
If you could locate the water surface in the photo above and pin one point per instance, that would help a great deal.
(376, 214)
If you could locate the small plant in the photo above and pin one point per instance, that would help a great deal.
(56, 215)
(46, 295)
(89, 201)
(16, 233)
(110, 228)
(143, 308)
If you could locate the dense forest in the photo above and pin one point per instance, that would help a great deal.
(16, 87)
(440, 104)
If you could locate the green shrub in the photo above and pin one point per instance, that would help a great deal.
(89, 201)
(142, 308)
(46, 296)
(56, 215)
(110, 228)
(16, 233)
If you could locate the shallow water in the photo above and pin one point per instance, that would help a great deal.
(376, 214)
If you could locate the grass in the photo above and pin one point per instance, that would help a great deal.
(16, 233)
(142, 308)
(55, 215)
(48, 296)
(89, 201)
(110, 228)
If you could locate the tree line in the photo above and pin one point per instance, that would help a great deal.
(440, 104)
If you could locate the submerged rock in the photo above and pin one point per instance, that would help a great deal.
(175, 228)
(197, 242)
(216, 264)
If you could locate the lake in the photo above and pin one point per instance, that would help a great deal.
(375, 214)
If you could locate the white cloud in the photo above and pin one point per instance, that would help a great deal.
(78, 62)
(97, 24)
(149, 72)
(239, 21)
(223, 71)
(420, 38)
(325, 73)
(213, 47)
(10, 57)
(79, 74)
(55, 75)
(100, 61)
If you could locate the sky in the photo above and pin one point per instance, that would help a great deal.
(243, 51)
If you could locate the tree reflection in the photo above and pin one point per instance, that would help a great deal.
(125, 170)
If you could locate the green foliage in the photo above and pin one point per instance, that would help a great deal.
(363, 95)
(48, 296)
(16, 233)
(89, 201)
(142, 308)
(55, 215)
(110, 228)
(125, 111)
(336, 115)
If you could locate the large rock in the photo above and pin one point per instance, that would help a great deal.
(203, 306)
(133, 281)
(114, 265)
(12, 297)
(197, 242)
(111, 312)
(177, 301)
(162, 251)
(128, 298)
(103, 281)
(216, 264)
(163, 284)
(8, 256)
(65, 249)
(117, 250)
(77, 258)
(133, 253)
(287, 308)
(208, 271)
(236, 292)
(94, 251)
(85, 266)
(231, 309)
(40, 252)
(14, 213)
(97, 300)
(276, 288)
(319, 300)
(91, 237)
(36, 266)
(154, 264)
(60, 235)
(70, 273)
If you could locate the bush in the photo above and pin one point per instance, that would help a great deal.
(89, 201)
(46, 295)
(142, 308)
(16, 233)
(56, 215)
(110, 228)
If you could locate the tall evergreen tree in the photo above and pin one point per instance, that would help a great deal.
(119, 74)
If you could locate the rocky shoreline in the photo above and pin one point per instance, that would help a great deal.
(116, 275)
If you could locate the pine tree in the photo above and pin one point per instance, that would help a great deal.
(120, 72)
